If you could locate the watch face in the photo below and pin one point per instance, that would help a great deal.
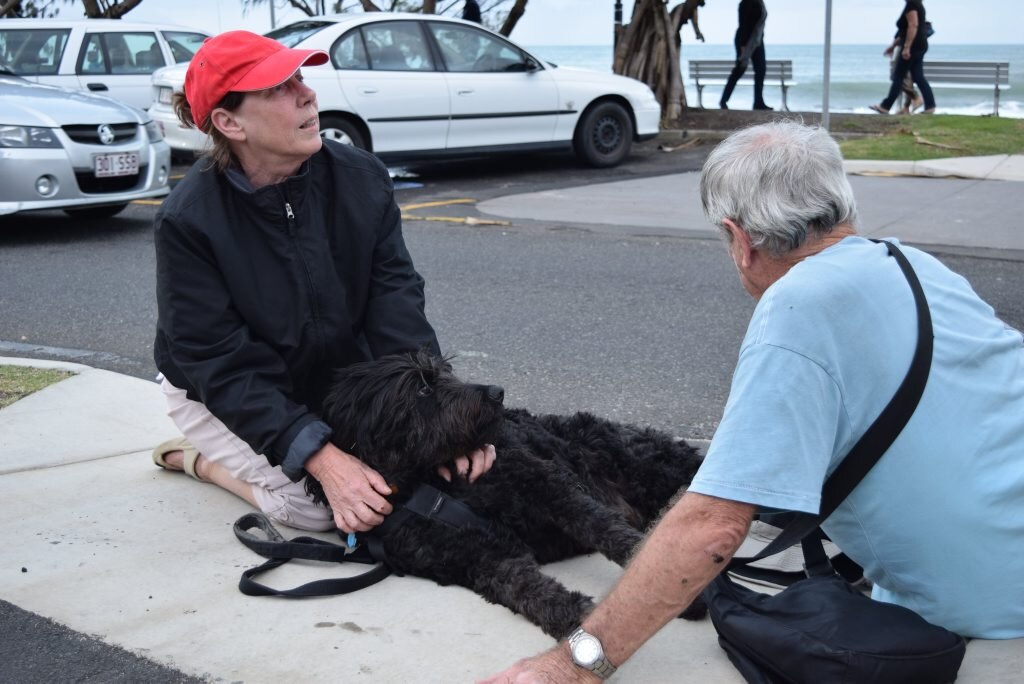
(586, 651)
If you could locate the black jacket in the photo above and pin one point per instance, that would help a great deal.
(920, 44)
(751, 14)
(262, 293)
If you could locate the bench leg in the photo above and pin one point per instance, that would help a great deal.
(785, 102)
(997, 101)
(700, 100)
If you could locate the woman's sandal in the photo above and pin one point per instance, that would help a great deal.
(185, 447)
(878, 108)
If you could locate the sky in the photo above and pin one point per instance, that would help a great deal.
(590, 22)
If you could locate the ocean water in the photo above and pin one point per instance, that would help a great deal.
(859, 75)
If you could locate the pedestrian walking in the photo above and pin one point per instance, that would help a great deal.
(910, 46)
(749, 43)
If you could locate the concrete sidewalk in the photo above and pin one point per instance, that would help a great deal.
(969, 202)
(100, 540)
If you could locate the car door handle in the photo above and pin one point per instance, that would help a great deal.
(368, 91)
(96, 86)
(468, 91)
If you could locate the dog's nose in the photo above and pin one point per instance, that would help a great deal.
(495, 394)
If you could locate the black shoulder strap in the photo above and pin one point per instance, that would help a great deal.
(878, 438)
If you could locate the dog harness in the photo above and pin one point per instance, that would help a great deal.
(426, 502)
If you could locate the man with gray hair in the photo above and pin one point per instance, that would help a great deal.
(937, 523)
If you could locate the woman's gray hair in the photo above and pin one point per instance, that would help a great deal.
(778, 182)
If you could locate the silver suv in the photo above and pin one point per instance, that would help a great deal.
(111, 57)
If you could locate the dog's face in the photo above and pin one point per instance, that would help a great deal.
(407, 414)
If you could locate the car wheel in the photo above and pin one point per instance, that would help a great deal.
(91, 213)
(342, 130)
(604, 135)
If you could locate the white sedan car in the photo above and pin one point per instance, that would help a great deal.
(106, 56)
(415, 87)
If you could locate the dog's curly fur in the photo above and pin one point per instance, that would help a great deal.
(561, 485)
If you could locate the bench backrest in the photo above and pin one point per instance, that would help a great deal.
(721, 68)
(988, 73)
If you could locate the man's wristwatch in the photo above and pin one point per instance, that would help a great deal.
(588, 653)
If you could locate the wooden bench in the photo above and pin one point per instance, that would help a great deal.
(716, 72)
(994, 75)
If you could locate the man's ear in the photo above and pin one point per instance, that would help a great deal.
(740, 244)
(227, 123)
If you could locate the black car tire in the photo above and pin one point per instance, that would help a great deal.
(93, 213)
(340, 129)
(604, 135)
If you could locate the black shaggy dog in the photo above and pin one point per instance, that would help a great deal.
(561, 485)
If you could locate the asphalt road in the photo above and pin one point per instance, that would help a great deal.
(640, 328)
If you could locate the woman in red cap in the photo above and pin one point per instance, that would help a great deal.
(279, 258)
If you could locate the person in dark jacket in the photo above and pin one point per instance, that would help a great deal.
(279, 258)
(471, 11)
(912, 41)
(749, 43)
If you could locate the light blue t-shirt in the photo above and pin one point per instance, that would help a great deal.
(938, 523)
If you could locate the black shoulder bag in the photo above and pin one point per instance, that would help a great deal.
(822, 629)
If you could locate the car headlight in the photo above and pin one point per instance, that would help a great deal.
(164, 95)
(154, 131)
(27, 136)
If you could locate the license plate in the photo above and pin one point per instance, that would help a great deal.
(123, 164)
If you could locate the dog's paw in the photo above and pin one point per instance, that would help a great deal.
(696, 610)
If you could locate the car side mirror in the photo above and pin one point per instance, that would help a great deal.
(531, 65)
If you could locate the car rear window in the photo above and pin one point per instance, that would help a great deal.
(293, 34)
(183, 45)
(33, 52)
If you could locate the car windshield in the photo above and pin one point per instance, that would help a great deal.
(31, 52)
(293, 34)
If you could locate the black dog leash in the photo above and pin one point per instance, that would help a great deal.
(426, 502)
(279, 551)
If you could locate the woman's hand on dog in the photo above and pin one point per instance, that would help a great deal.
(354, 490)
(472, 466)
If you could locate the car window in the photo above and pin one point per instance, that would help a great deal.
(465, 48)
(350, 52)
(293, 34)
(136, 52)
(183, 45)
(93, 59)
(397, 46)
(30, 52)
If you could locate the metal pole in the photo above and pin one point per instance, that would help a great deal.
(618, 24)
(273, 21)
(828, 63)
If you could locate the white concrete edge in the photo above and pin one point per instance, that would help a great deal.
(44, 363)
(989, 167)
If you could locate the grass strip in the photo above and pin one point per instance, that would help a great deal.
(914, 138)
(20, 381)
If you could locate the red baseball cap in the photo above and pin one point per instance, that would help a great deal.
(240, 61)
